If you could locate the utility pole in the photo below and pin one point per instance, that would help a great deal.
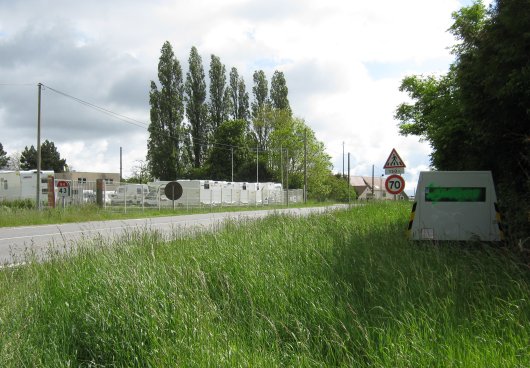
(257, 167)
(343, 159)
(348, 187)
(287, 174)
(38, 204)
(232, 151)
(281, 165)
(305, 165)
(121, 167)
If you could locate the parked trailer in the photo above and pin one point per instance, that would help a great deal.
(210, 192)
(23, 184)
(455, 205)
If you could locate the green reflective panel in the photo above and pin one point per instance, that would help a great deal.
(455, 194)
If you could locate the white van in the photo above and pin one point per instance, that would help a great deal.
(455, 205)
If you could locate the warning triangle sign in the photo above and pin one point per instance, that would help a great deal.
(393, 161)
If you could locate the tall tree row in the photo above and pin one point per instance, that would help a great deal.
(224, 136)
(477, 116)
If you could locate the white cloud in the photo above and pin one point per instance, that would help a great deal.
(343, 61)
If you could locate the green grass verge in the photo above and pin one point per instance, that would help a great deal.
(339, 289)
(20, 216)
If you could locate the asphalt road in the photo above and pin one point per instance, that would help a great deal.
(15, 242)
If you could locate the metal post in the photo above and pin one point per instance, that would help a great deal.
(305, 165)
(38, 204)
(373, 182)
(232, 150)
(257, 164)
(121, 167)
(348, 187)
(281, 164)
(287, 174)
(342, 159)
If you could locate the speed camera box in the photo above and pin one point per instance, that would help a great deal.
(455, 205)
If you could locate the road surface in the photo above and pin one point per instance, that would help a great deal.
(15, 242)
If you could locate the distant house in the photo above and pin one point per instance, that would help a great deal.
(112, 180)
(363, 187)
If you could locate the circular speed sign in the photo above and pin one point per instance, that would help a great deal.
(394, 184)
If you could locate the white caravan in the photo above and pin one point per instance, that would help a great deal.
(23, 185)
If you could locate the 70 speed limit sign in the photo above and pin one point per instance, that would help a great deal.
(394, 184)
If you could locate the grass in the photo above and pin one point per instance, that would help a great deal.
(23, 216)
(339, 289)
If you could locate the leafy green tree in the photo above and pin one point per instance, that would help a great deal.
(219, 99)
(279, 92)
(196, 107)
(231, 146)
(3, 156)
(494, 80)
(287, 145)
(166, 153)
(436, 116)
(50, 158)
(477, 116)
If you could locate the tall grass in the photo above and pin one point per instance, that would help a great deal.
(339, 289)
(23, 213)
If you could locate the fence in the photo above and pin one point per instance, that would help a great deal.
(124, 196)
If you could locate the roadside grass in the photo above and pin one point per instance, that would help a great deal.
(340, 289)
(24, 216)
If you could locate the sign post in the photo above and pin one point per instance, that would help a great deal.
(173, 191)
(63, 190)
(394, 166)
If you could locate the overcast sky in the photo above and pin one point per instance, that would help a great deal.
(343, 61)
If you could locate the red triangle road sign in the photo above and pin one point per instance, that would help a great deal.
(393, 161)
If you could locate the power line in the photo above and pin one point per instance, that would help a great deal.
(139, 123)
(103, 110)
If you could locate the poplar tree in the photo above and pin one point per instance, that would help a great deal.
(219, 98)
(239, 101)
(196, 108)
(260, 107)
(279, 92)
(165, 147)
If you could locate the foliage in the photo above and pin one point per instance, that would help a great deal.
(260, 108)
(231, 147)
(196, 107)
(238, 101)
(342, 289)
(50, 158)
(203, 149)
(3, 157)
(279, 92)
(339, 189)
(27, 204)
(219, 94)
(477, 117)
(166, 152)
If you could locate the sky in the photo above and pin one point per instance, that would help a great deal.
(343, 61)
